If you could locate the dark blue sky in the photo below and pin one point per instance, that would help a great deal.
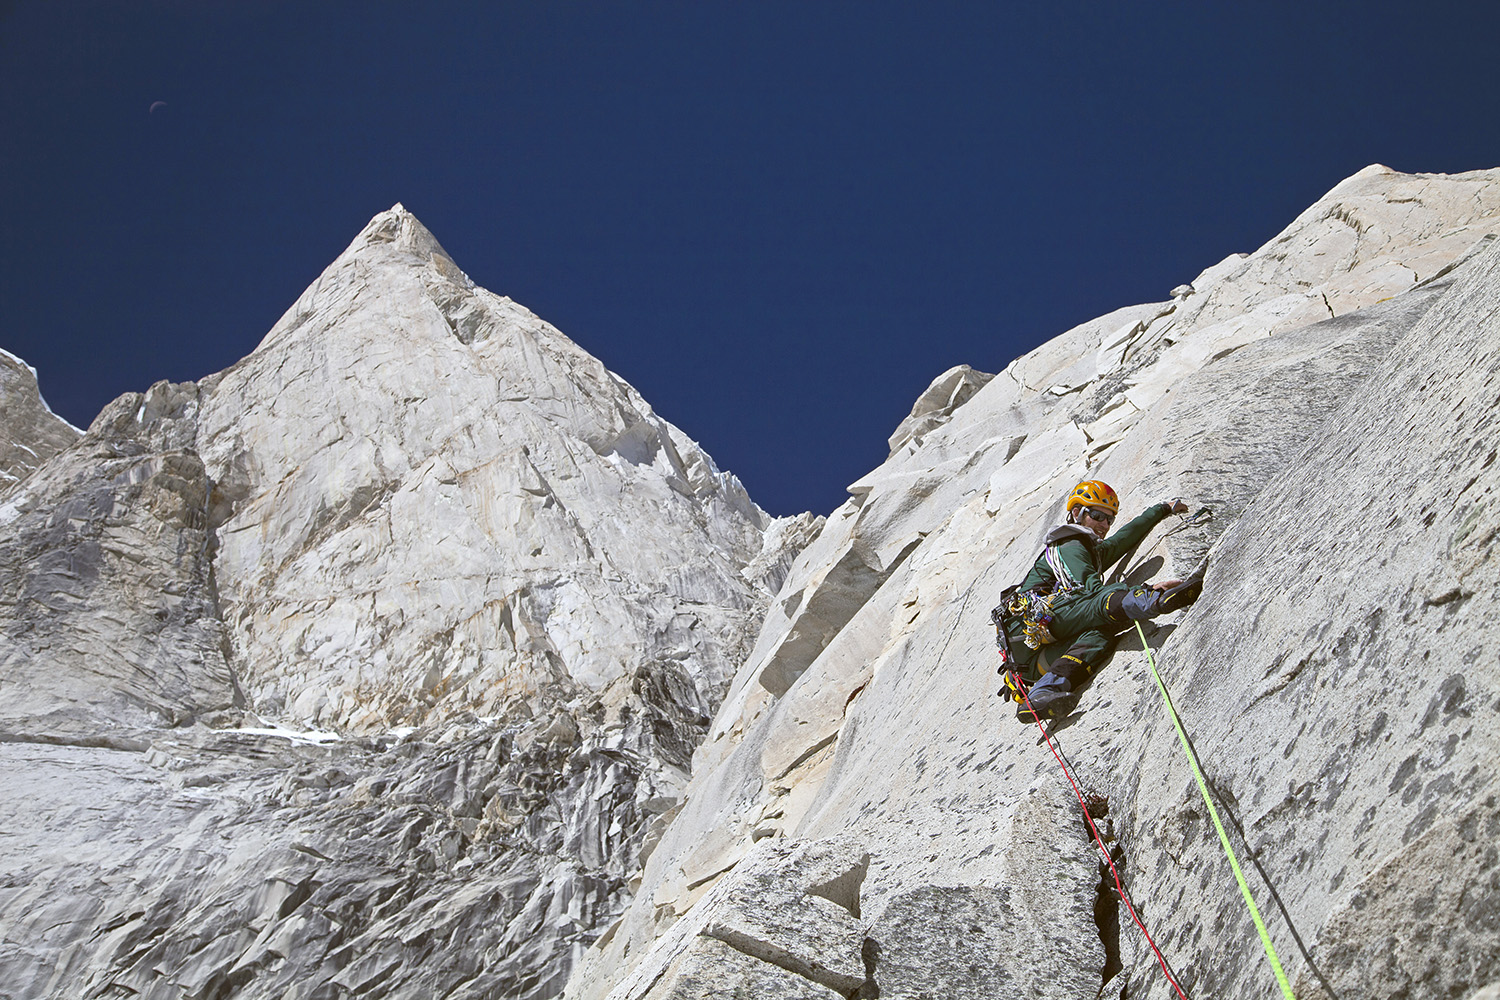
(779, 221)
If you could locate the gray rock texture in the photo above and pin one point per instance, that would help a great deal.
(240, 864)
(109, 623)
(416, 656)
(368, 667)
(708, 969)
(30, 433)
(1348, 715)
(785, 921)
(1327, 404)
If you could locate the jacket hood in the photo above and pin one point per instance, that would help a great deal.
(1064, 532)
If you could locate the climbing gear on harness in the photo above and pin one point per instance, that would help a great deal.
(1093, 493)
(1000, 615)
(1034, 609)
(1031, 610)
(1234, 864)
(1109, 858)
(1014, 687)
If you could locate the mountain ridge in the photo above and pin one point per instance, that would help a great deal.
(434, 604)
(415, 655)
(865, 713)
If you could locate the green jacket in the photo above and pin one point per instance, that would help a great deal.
(1072, 565)
(1077, 559)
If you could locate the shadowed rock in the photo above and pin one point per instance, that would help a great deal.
(108, 622)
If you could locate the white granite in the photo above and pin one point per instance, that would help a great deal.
(1332, 397)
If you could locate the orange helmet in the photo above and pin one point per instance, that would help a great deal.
(1093, 493)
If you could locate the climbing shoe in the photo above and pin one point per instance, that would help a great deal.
(1049, 694)
(1180, 596)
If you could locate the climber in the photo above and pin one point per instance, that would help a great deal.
(1056, 625)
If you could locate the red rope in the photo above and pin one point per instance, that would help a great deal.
(1067, 773)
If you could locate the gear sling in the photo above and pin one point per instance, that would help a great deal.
(1062, 617)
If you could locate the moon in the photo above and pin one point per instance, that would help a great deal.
(155, 105)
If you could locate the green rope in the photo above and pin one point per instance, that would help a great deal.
(1265, 937)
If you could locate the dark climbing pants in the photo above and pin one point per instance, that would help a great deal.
(1085, 627)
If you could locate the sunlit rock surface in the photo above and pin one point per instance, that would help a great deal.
(365, 667)
(1333, 400)
(108, 622)
(30, 433)
(415, 656)
(429, 499)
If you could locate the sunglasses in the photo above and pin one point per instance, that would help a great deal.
(1103, 516)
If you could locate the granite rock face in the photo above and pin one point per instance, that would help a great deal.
(1359, 706)
(784, 921)
(932, 409)
(367, 667)
(415, 656)
(30, 433)
(109, 624)
(258, 863)
(1327, 405)
(429, 500)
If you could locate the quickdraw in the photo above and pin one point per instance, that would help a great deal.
(1032, 609)
(1035, 612)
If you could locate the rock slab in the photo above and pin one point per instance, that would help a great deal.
(1327, 404)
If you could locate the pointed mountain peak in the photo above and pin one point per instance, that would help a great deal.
(398, 226)
(394, 237)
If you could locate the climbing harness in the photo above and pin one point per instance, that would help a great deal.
(1068, 772)
(1016, 688)
(1030, 611)
(1001, 616)
(1234, 864)
(1033, 609)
